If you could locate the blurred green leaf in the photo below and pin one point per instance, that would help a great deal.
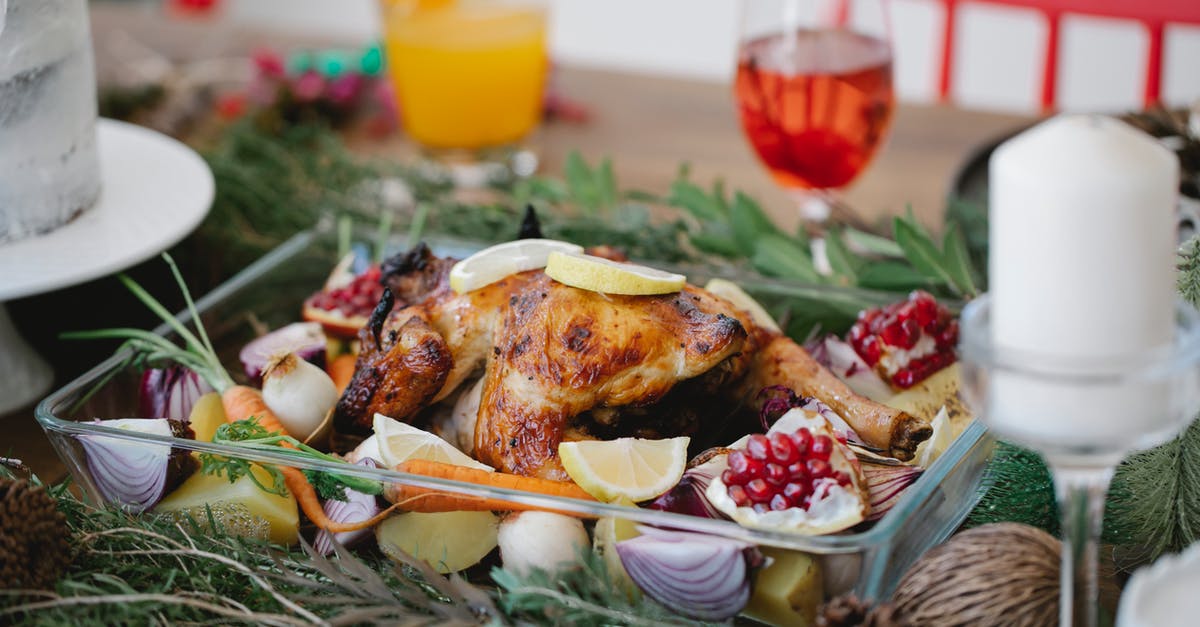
(580, 183)
(750, 223)
(871, 243)
(776, 255)
(715, 244)
(606, 184)
(892, 276)
(690, 197)
(843, 262)
(957, 262)
(921, 252)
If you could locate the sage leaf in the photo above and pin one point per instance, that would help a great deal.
(891, 276)
(921, 252)
(957, 262)
(871, 243)
(692, 199)
(843, 262)
(750, 223)
(713, 244)
(580, 183)
(776, 255)
(606, 184)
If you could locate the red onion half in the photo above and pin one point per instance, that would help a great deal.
(356, 508)
(135, 475)
(306, 339)
(170, 392)
(687, 497)
(695, 575)
(886, 483)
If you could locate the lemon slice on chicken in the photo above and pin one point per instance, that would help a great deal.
(611, 277)
(633, 469)
(494, 263)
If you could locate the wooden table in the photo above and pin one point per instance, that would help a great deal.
(648, 125)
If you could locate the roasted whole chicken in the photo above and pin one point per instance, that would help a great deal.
(553, 363)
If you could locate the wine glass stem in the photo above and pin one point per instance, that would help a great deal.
(1081, 493)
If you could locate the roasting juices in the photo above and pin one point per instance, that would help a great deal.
(815, 104)
(467, 74)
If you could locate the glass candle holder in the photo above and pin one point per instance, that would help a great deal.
(1083, 414)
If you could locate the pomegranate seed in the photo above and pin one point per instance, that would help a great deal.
(755, 469)
(796, 491)
(948, 336)
(776, 474)
(870, 351)
(904, 379)
(819, 469)
(843, 479)
(759, 491)
(738, 494)
(758, 446)
(761, 508)
(783, 450)
(857, 332)
(803, 439)
(822, 446)
(739, 468)
(925, 311)
(727, 477)
(798, 470)
(779, 503)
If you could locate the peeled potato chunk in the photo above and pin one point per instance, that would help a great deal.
(449, 541)
(788, 591)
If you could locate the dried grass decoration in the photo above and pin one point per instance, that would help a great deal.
(997, 574)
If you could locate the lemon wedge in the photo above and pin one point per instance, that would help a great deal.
(626, 468)
(610, 277)
(399, 442)
(733, 293)
(494, 263)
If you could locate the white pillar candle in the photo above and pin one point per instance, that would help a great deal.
(1082, 241)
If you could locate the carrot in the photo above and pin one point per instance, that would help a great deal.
(341, 370)
(310, 504)
(242, 402)
(430, 500)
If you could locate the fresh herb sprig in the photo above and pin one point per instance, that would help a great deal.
(163, 570)
(250, 435)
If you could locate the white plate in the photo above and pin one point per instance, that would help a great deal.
(154, 191)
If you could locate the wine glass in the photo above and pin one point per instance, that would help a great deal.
(814, 93)
(1083, 414)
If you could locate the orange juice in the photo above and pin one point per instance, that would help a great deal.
(467, 74)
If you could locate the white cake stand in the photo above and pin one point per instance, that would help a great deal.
(154, 191)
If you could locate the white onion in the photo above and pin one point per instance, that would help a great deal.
(298, 393)
(696, 575)
(544, 540)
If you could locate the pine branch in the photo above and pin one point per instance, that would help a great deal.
(1154, 502)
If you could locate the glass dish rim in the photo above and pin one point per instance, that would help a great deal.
(884, 529)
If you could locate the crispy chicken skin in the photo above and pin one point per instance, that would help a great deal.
(562, 351)
(561, 363)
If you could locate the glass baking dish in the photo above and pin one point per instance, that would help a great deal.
(269, 293)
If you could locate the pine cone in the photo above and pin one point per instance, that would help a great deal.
(34, 550)
(849, 611)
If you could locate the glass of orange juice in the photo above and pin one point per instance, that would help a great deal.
(469, 77)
